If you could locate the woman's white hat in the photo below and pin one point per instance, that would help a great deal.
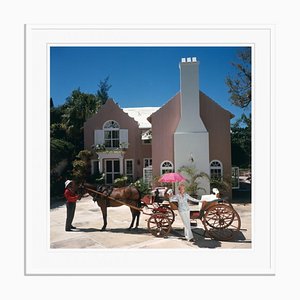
(215, 191)
(67, 183)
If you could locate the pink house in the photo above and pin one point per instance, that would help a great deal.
(190, 129)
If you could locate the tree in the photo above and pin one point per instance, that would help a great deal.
(77, 109)
(240, 95)
(241, 142)
(82, 166)
(60, 150)
(55, 114)
(102, 92)
(240, 83)
(66, 133)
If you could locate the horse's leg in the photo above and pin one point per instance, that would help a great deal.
(132, 218)
(133, 215)
(103, 207)
(104, 214)
(137, 219)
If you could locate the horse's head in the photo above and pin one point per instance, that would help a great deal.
(80, 189)
(88, 188)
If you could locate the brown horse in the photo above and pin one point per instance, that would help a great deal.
(123, 196)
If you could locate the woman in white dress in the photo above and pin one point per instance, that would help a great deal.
(184, 211)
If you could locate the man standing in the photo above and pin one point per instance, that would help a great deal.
(71, 198)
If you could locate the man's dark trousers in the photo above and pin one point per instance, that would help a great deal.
(71, 206)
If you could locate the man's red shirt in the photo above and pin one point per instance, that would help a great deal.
(70, 196)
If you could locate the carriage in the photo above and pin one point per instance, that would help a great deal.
(220, 220)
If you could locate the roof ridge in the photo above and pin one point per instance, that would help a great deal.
(141, 114)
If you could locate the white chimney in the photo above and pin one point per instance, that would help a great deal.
(191, 138)
(189, 91)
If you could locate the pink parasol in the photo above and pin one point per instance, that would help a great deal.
(171, 177)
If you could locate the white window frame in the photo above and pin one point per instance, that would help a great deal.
(147, 175)
(111, 126)
(164, 168)
(235, 171)
(220, 167)
(147, 159)
(126, 174)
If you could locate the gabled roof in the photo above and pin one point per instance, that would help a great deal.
(216, 103)
(200, 92)
(140, 115)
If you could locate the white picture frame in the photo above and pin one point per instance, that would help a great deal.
(40, 259)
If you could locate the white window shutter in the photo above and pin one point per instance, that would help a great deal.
(98, 137)
(124, 137)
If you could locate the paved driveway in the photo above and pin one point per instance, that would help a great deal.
(88, 220)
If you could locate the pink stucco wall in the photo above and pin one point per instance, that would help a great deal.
(217, 122)
(164, 122)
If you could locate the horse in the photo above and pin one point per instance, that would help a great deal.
(113, 197)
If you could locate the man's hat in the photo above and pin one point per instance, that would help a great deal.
(67, 183)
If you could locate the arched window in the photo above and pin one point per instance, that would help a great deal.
(166, 167)
(216, 170)
(111, 134)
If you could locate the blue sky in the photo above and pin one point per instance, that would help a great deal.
(140, 76)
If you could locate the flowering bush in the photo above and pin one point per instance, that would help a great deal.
(102, 148)
(143, 187)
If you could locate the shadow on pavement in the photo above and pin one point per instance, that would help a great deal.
(116, 230)
(242, 195)
(57, 203)
(88, 229)
(200, 239)
(203, 240)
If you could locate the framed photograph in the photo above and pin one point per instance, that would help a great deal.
(61, 56)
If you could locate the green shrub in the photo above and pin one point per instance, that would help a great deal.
(142, 186)
(60, 150)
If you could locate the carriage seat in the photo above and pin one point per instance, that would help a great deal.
(158, 194)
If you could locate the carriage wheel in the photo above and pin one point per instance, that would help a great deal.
(221, 222)
(166, 211)
(159, 225)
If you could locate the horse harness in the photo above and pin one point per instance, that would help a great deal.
(105, 192)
